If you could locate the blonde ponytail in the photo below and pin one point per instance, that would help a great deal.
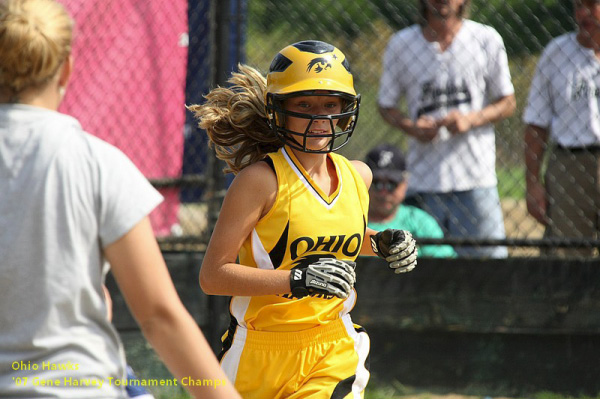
(235, 120)
(35, 39)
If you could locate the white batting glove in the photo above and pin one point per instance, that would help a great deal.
(397, 247)
(328, 276)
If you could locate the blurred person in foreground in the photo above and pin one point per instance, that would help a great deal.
(134, 388)
(563, 119)
(292, 224)
(387, 193)
(453, 73)
(70, 202)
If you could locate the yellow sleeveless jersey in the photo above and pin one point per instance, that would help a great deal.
(304, 225)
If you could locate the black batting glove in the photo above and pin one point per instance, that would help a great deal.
(328, 276)
(397, 247)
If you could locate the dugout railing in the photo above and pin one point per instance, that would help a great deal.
(516, 326)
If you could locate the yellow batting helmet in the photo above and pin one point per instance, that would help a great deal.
(311, 68)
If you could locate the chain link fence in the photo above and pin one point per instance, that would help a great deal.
(138, 62)
(494, 328)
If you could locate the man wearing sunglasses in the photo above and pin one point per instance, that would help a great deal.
(387, 193)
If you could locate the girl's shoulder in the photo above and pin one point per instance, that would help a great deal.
(363, 170)
(255, 186)
(259, 176)
(262, 169)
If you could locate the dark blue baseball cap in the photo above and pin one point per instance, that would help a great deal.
(387, 162)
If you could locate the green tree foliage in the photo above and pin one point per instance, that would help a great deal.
(315, 18)
(525, 25)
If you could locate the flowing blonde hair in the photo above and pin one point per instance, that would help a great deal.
(235, 120)
(35, 40)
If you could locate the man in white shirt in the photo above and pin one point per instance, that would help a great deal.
(563, 114)
(453, 73)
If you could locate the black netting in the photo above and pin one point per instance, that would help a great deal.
(137, 63)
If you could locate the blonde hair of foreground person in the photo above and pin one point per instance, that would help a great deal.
(35, 67)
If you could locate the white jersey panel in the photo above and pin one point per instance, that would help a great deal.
(468, 76)
(565, 93)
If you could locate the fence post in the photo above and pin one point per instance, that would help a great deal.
(228, 38)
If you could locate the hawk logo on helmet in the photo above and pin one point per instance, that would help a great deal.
(321, 63)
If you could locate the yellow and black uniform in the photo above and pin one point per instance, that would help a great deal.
(283, 347)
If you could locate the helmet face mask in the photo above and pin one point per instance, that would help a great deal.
(341, 125)
(311, 68)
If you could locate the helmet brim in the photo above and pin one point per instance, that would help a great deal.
(313, 84)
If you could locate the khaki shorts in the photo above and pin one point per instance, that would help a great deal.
(320, 363)
(573, 188)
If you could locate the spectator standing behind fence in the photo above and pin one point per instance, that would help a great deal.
(453, 73)
(563, 116)
(68, 202)
(295, 217)
(387, 193)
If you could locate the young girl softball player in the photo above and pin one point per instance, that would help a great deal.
(291, 226)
